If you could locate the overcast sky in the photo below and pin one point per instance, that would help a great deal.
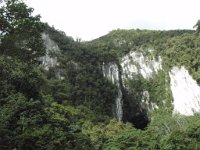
(89, 19)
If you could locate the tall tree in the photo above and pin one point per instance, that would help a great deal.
(20, 32)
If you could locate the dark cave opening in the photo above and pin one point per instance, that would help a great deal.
(137, 116)
(139, 121)
(133, 112)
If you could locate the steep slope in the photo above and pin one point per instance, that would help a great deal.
(80, 70)
(143, 67)
(152, 60)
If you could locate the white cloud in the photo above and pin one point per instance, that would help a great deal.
(88, 19)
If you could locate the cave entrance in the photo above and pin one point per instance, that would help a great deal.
(139, 121)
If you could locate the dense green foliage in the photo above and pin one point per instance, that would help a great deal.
(82, 72)
(70, 105)
(165, 132)
(29, 119)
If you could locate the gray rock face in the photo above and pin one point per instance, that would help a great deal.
(51, 47)
(132, 64)
(111, 71)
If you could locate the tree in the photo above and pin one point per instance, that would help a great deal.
(20, 32)
(21, 104)
(197, 26)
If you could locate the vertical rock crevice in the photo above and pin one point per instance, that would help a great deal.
(112, 72)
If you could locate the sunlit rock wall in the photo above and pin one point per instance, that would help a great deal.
(136, 63)
(185, 90)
